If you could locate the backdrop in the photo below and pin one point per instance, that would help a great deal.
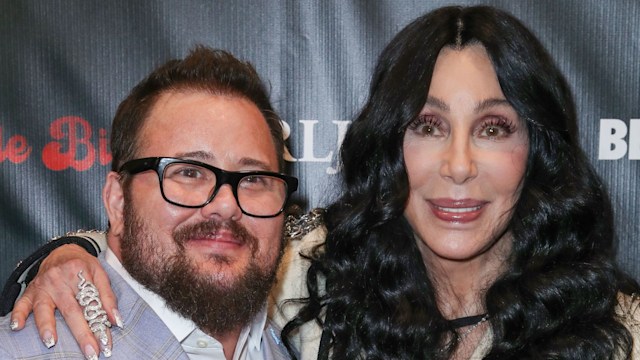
(65, 66)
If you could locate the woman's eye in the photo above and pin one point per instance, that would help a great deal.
(428, 130)
(428, 126)
(496, 129)
(492, 131)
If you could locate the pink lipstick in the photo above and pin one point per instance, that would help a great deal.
(458, 211)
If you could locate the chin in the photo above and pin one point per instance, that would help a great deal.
(456, 253)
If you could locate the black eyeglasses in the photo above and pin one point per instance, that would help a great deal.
(192, 184)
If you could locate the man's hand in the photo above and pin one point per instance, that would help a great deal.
(56, 286)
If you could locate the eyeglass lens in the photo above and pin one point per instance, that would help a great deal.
(192, 185)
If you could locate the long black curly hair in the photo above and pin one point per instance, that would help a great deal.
(557, 297)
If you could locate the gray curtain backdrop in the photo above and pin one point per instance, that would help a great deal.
(65, 66)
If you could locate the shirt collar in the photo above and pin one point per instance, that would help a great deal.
(256, 329)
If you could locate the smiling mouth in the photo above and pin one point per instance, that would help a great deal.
(457, 211)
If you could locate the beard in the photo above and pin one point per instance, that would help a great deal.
(216, 302)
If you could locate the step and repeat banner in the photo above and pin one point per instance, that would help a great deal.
(66, 65)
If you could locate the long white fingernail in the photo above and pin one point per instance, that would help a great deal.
(14, 325)
(119, 323)
(106, 350)
(90, 353)
(47, 339)
(104, 339)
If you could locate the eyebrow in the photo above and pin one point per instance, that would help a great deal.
(199, 155)
(255, 163)
(489, 103)
(437, 103)
(206, 156)
(483, 105)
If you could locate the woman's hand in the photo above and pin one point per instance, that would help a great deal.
(56, 286)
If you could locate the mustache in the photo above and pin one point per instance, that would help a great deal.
(211, 227)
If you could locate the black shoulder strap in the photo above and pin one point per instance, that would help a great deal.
(28, 268)
(323, 351)
(325, 341)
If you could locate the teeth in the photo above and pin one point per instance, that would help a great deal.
(459, 210)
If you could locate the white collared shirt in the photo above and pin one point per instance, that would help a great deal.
(196, 343)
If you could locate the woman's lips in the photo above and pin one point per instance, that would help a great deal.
(458, 211)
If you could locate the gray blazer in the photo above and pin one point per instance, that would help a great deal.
(144, 336)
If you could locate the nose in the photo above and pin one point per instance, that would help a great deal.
(459, 163)
(224, 205)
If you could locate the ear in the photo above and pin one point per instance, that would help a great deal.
(113, 199)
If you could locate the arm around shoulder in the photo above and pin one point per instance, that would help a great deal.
(92, 241)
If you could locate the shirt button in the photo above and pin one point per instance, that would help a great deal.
(202, 343)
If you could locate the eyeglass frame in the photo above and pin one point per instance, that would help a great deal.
(233, 178)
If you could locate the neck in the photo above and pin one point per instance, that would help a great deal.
(113, 242)
(461, 284)
(229, 341)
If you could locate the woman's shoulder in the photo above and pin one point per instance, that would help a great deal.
(628, 311)
(302, 235)
(305, 229)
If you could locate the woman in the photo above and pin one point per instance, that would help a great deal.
(471, 224)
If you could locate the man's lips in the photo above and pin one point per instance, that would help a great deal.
(218, 238)
(457, 210)
(214, 235)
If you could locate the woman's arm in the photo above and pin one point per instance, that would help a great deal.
(92, 241)
(55, 287)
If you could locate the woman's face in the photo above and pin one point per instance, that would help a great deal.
(465, 156)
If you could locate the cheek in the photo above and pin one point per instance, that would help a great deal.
(508, 170)
(159, 214)
(268, 232)
(411, 213)
(420, 164)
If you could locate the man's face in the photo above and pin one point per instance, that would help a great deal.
(214, 253)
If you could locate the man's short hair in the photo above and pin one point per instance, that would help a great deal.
(204, 69)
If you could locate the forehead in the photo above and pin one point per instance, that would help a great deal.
(469, 67)
(226, 131)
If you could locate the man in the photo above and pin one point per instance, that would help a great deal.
(194, 202)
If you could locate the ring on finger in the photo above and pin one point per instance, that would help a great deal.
(89, 298)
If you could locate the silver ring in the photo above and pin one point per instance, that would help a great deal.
(89, 298)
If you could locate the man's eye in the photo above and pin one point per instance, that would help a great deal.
(255, 180)
(192, 173)
(185, 173)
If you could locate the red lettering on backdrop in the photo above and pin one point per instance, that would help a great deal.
(74, 132)
(104, 156)
(17, 150)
